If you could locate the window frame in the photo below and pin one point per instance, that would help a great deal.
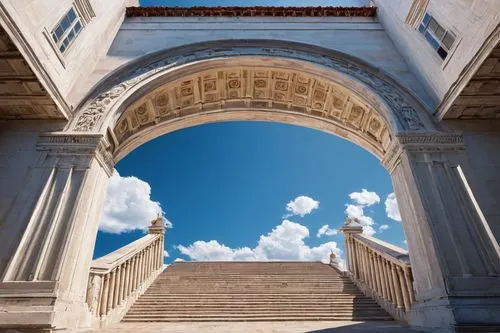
(435, 42)
(59, 41)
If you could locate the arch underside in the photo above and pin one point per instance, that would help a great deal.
(252, 93)
(250, 80)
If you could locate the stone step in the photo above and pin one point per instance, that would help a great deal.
(264, 309)
(257, 317)
(253, 301)
(253, 292)
(257, 295)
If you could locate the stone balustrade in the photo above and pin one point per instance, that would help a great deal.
(117, 279)
(381, 270)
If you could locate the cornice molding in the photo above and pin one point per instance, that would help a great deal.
(256, 11)
(78, 145)
(424, 142)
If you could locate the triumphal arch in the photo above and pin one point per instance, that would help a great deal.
(74, 105)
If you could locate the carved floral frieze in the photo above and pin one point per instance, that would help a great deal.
(91, 116)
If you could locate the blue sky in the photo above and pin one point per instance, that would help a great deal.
(231, 183)
(248, 190)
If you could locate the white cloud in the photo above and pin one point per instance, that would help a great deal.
(383, 227)
(392, 208)
(327, 231)
(179, 260)
(285, 242)
(301, 205)
(128, 205)
(365, 198)
(165, 254)
(357, 212)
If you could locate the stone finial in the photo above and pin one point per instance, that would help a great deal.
(352, 226)
(157, 225)
(333, 259)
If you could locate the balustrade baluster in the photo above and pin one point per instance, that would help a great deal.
(365, 264)
(136, 271)
(373, 278)
(352, 251)
(404, 291)
(377, 273)
(127, 279)
(409, 284)
(381, 275)
(116, 295)
(391, 283)
(157, 254)
(397, 287)
(148, 262)
(122, 284)
(356, 258)
(143, 266)
(383, 267)
(103, 306)
(112, 290)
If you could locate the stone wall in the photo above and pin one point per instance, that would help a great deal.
(36, 19)
(482, 141)
(472, 20)
(361, 37)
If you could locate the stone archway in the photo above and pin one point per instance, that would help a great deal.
(452, 250)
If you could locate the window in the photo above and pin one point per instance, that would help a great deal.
(67, 30)
(439, 38)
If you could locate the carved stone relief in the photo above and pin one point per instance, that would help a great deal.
(301, 90)
(259, 88)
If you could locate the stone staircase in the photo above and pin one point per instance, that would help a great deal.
(253, 291)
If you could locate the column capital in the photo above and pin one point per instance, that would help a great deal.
(421, 142)
(77, 149)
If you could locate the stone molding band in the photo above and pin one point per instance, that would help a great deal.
(78, 145)
(421, 142)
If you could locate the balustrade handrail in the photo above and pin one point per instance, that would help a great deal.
(381, 270)
(389, 251)
(107, 263)
(118, 278)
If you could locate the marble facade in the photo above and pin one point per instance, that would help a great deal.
(55, 172)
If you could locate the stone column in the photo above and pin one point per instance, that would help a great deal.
(48, 233)
(455, 257)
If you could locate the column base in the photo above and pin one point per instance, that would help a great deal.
(457, 314)
(33, 307)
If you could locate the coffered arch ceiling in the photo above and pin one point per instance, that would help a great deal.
(252, 93)
(250, 80)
